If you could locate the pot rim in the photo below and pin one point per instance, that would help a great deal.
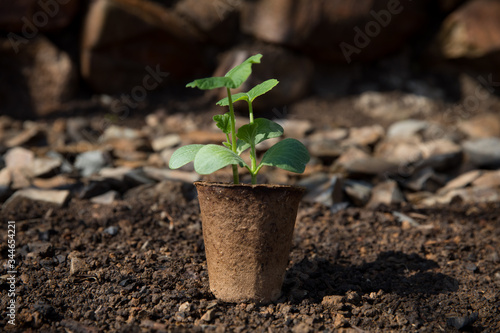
(243, 185)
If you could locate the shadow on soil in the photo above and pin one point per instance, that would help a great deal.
(392, 272)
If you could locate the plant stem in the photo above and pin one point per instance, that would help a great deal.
(236, 179)
(253, 155)
(250, 111)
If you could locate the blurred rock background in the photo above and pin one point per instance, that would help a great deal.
(397, 100)
(70, 56)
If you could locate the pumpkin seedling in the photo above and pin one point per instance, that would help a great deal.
(288, 154)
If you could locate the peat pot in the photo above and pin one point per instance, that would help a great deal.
(247, 230)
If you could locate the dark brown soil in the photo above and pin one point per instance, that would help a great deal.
(139, 266)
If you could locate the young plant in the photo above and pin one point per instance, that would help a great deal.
(288, 154)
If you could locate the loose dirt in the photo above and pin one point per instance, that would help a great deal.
(138, 265)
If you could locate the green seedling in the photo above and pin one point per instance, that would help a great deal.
(288, 154)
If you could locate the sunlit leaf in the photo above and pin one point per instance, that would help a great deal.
(261, 89)
(211, 158)
(235, 98)
(233, 79)
(240, 73)
(183, 155)
(255, 92)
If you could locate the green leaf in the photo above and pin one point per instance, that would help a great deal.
(235, 98)
(289, 154)
(210, 83)
(211, 158)
(267, 129)
(233, 79)
(261, 89)
(223, 122)
(241, 146)
(247, 133)
(183, 155)
(240, 73)
(262, 129)
(255, 92)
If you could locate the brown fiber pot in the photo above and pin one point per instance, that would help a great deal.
(247, 230)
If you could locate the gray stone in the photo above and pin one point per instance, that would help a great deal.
(351, 154)
(20, 178)
(91, 162)
(488, 179)
(365, 136)
(322, 188)
(425, 180)
(45, 167)
(19, 157)
(370, 166)
(185, 307)
(481, 126)
(335, 134)
(60, 182)
(112, 230)
(406, 128)
(164, 142)
(461, 181)
(26, 136)
(105, 198)
(405, 218)
(441, 155)
(208, 316)
(295, 128)
(65, 167)
(416, 198)
(386, 193)
(115, 173)
(59, 198)
(385, 107)
(325, 149)
(77, 265)
(333, 301)
(359, 192)
(5, 177)
(40, 249)
(483, 152)
(467, 195)
(401, 151)
(118, 132)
